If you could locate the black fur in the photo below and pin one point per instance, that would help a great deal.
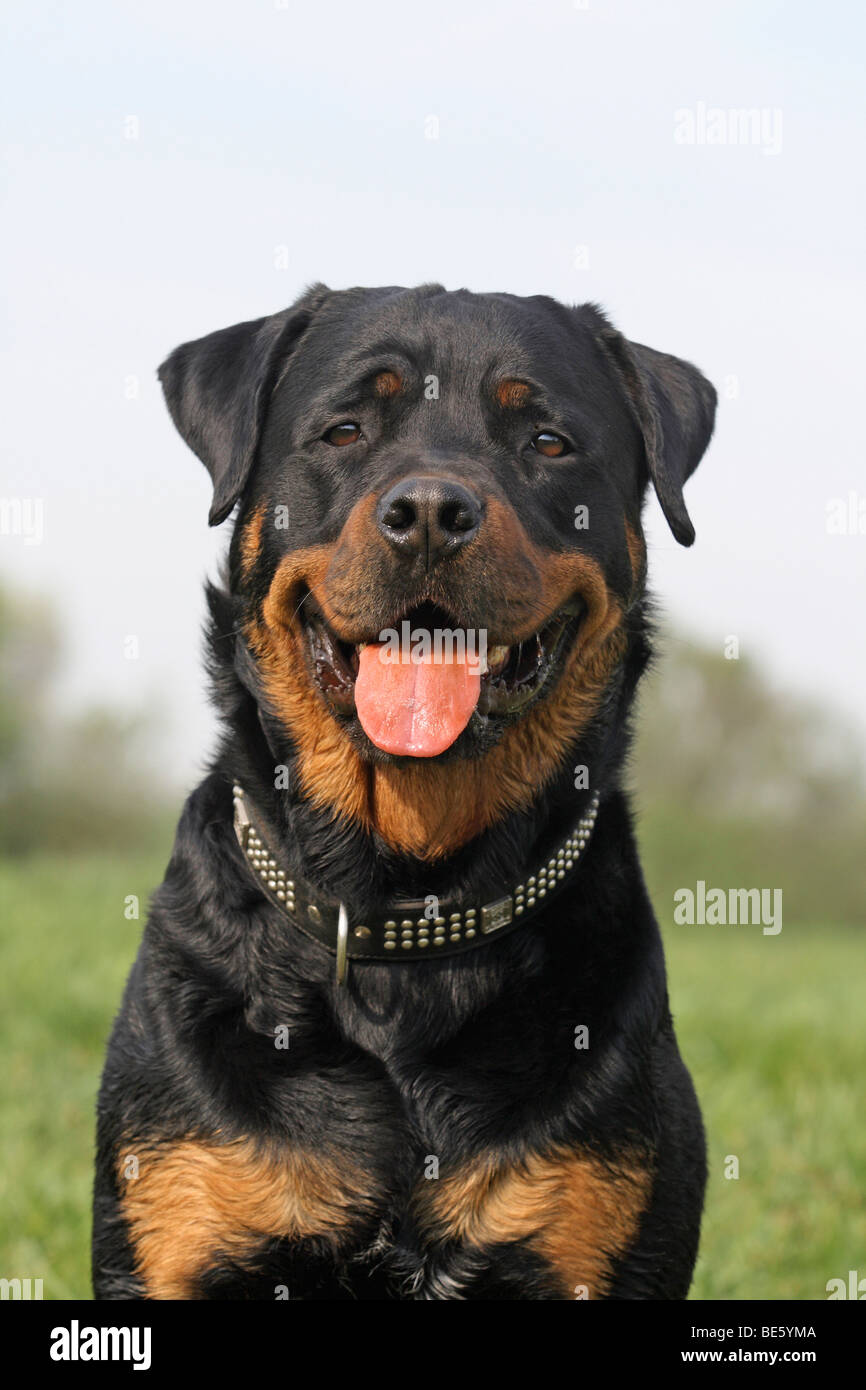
(451, 1058)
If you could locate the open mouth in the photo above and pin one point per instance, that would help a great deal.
(416, 689)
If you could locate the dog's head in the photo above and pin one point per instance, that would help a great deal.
(439, 535)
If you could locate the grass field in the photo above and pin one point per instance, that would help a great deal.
(773, 1029)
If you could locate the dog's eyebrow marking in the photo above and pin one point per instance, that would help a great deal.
(387, 383)
(357, 380)
(513, 394)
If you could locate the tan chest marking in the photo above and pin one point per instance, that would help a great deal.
(192, 1201)
(573, 1210)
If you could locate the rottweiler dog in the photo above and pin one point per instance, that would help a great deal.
(398, 1027)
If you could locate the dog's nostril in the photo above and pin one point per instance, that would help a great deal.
(456, 517)
(429, 516)
(399, 516)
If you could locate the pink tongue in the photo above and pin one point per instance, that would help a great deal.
(414, 707)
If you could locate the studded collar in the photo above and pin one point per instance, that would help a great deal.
(414, 929)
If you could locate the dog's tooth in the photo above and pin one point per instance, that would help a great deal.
(496, 656)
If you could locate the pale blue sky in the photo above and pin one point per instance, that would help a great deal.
(304, 128)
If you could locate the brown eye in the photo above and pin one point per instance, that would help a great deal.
(549, 444)
(347, 433)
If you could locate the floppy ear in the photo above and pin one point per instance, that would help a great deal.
(217, 390)
(675, 407)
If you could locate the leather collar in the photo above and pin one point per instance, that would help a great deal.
(413, 929)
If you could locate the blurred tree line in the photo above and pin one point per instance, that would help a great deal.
(68, 782)
(735, 782)
(748, 786)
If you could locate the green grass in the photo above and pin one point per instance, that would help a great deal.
(772, 1028)
(66, 949)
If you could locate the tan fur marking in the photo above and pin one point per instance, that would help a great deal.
(387, 384)
(512, 395)
(333, 775)
(574, 1211)
(251, 540)
(636, 554)
(424, 807)
(193, 1201)
(431, 809)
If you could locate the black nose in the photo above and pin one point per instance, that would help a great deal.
(428, 516)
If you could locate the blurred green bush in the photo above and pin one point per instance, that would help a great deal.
(744, 784)
(68, 782)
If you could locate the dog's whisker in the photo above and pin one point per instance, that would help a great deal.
(307, 595)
